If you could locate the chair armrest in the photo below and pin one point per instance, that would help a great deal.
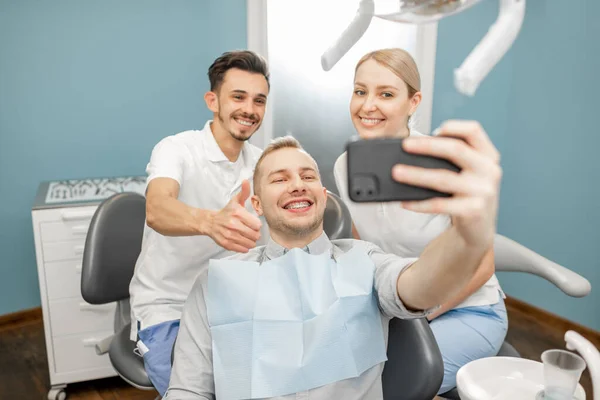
(415, 368)
(512, 256)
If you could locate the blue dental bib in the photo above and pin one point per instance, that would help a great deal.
(292, 324)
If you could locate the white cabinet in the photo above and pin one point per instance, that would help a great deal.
(72, 327)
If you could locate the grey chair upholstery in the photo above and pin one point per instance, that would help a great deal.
(512, 256)
(337, 222)
(112, 246)
(414, 369)
(507, 350)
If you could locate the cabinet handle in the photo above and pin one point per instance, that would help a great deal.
(80, 229)
(90, 342)
(102, 345)
(93, 307)
(70, 215)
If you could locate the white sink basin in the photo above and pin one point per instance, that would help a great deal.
(503, 378)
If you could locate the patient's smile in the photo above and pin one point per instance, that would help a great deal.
(298, 206)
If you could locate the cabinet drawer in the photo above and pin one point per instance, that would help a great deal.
(75, 316)
(63, 279)
(69, 250)
(62, 231)
(76, 353)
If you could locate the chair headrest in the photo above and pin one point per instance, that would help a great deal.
(337, 221)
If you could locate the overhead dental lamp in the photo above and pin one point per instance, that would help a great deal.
(478, 63)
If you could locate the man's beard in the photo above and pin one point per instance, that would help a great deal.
(279, 224)
(239, 137)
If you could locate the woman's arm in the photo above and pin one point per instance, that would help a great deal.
(484, 272)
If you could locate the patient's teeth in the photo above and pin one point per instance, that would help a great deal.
(300, 204)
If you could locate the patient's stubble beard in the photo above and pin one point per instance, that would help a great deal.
(294, 230)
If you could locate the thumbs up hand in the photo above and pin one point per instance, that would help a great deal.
(233, 227)
(244, 194)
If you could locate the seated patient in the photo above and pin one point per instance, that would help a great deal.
(306, 315)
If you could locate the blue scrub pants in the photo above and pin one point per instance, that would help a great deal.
(468, 334)
(159, 340)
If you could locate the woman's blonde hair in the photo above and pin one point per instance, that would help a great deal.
(398, 61)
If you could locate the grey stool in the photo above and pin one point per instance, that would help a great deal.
(512, 256)
(112, 246)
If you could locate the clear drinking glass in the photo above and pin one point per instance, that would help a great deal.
(562, 370)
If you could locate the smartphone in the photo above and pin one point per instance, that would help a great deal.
(370, 163)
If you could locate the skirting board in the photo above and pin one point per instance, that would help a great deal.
(20, 317)
(556, 324)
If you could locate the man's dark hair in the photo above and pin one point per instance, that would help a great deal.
(241, 59)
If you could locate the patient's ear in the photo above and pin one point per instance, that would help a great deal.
(256, 204)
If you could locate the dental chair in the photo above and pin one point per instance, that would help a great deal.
(414, 369)
(511, 256)
(112, 246)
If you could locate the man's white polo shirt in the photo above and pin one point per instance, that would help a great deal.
(168, 266)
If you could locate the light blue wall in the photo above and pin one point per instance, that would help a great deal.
(540, 106)
(86, 90)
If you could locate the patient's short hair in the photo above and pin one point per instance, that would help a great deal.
(283, 142)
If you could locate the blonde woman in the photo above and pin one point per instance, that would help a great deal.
(473, 324)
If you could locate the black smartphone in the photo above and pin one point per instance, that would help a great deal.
(370, 163)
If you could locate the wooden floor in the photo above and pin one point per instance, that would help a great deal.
(24, 374)
(24, 370)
